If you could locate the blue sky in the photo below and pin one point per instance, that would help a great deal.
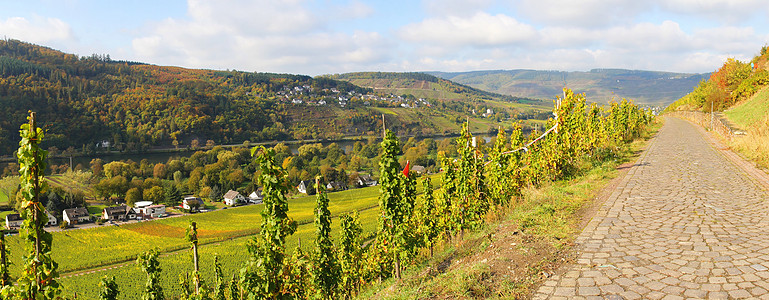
(337, 36)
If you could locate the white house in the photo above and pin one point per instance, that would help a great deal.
(192, 203)
(256, 197)
(52, 221)
(233, 198)
(13, 221)
(306, 187)
(142, 204)
(118, 213)
(336, 186)
(154, 211)
(366, 180)
(76, 215)
(418, 169)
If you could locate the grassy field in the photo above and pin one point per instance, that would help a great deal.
(223, 232)
(215, 229)
(232, 254)
(751, 116)
(79, 249)
(748, 113)
(385, 110)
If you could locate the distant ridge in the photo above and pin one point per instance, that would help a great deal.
(600, 85)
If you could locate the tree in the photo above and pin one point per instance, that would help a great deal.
(154, 194)
(132, 196)
(216, 193)
(107, 187)
(97, 167)
(53, 205)
(178, 177)
(326, 270)
(263, 275)
(109, 289)
(159, 171)
(149, 264)
(172, 195)
(39, 275)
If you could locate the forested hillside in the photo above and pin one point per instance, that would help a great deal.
(425, 84)
(94, 103)
(734, 82)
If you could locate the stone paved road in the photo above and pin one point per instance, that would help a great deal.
(684, 223)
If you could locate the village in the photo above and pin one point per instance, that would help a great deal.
(306, 95)
(81, 218)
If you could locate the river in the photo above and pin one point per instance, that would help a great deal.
(162, 157)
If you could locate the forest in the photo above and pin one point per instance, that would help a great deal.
(91, 104)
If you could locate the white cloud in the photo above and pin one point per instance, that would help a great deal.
(355, 10)
(479, 30)
(649, 37)
(461, 8)
(265, 36)
(287, 17)
(661, 46)
(582, 13)
(729, 11)
(730, 39)
(37, 30)
(295, 36)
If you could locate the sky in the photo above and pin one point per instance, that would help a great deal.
(316, 37)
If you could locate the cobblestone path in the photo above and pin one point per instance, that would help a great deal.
(683, 223)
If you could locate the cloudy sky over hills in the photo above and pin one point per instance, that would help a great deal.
(330, 36)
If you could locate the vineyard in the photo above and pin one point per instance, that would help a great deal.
(232, 254)
(82, 249)
(263, 261)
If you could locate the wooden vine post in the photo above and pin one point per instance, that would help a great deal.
(192, 237)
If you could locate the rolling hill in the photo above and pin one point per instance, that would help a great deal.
(86, 103)
(600, 85)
